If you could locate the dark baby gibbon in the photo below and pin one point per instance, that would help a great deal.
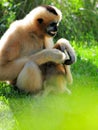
(28, 57)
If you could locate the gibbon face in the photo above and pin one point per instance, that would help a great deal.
(45, 19)
(52, 28)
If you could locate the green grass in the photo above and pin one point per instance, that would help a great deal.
(78, 111)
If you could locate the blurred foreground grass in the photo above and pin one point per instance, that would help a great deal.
(77, 111)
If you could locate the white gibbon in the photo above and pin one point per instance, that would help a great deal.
(28, 56)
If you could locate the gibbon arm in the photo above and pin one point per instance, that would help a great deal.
(10, 70)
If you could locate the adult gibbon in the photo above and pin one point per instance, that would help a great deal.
(28, 56)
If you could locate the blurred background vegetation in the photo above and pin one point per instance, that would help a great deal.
(80, 17)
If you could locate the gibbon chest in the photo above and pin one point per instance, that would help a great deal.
(31, 47)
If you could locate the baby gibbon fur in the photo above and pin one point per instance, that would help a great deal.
(28, 56)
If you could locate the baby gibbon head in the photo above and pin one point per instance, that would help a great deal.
(44, 19)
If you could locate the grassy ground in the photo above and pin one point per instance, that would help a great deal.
(78, 111)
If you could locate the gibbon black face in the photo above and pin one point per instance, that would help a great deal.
(52, 29)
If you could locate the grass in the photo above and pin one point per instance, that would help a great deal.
(78, 111)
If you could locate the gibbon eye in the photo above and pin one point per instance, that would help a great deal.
(40, 20)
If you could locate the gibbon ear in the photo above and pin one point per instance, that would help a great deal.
(40, 20)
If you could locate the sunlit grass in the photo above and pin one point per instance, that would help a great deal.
(78, 111)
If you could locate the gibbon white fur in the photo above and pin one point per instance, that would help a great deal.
(28, 56)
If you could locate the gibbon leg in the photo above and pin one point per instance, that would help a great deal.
(68, 74)
(57, 83)
(62, 84)
(30, 78)
(56, 79)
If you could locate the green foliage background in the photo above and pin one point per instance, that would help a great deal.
(80, 17)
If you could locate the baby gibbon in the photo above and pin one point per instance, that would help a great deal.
(28, 56)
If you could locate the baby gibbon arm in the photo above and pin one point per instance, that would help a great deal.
(64, 45)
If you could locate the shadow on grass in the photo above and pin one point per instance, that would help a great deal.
(8, 91)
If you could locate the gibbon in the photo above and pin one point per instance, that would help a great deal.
(28, 56)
